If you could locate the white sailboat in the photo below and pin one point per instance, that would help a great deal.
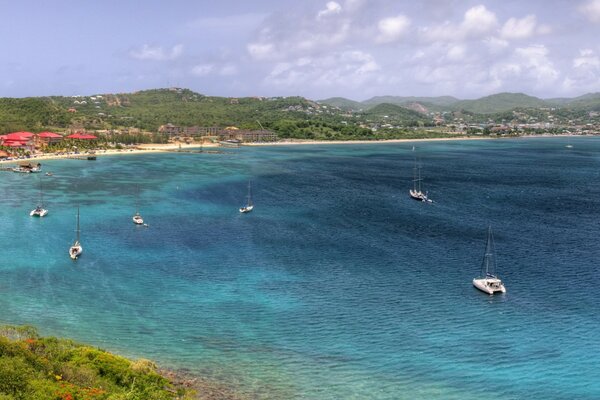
(76, 250)
(39, 211)
(249, 206)
(488, 282)
(569, 145)
(137, 218)
(416, 192)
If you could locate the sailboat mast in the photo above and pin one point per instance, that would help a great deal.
(488, 258)
(77, 224)
(41, 194)
(137, 199)
(249, 194)
(419, 169)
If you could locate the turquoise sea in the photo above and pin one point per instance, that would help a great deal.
(338, 285)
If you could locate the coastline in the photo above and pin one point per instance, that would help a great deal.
(162, 148)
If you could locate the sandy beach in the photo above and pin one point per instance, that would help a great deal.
(158, 148)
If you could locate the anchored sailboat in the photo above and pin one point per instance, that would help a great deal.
(488, 282)
(249, 206)
(417, 192)
(137, 218)
(39, 211)
(76, 250)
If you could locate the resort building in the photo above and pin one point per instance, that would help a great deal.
(247, 136)
(44, 139)
(18, 140)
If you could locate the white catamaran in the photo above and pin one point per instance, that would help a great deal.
(416, 192)
(488, 282)
(39, 211)
(76, 250)
(249, 206)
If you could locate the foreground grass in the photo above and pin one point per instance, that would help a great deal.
(47, 368)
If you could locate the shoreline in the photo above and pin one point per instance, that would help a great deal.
(164, 148)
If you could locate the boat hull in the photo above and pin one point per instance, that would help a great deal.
(246, 209)
(419, 196)
(38, 213)
(489, 285)
(138, 220)
(75, 251)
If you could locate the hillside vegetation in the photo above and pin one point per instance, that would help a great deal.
(290, 117)
(38, 368)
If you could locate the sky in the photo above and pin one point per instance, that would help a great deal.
(312, 48)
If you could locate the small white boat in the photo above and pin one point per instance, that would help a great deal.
(137, 218)
(416, 192)
(27, 168)
(488, 282)
(39, 211)
(76, 250)
(249, 206)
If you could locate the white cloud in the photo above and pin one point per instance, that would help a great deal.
(528, 66)
(203, 70)
(591, 9)
(456, 53)
(261, 51)
(392, 28)
(331, 8)
(496, 45)
(228, 70)
(331, 70)
(157, 53)
(584, 74)
(519, 28)
(477, 22)
(297, 35)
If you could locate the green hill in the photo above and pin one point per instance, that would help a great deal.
(403, 100)
(499, 103)
(396, 114)
(343, 103)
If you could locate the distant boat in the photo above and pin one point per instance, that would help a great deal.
(76, 250)
(249, 206)
(28, 168)
(137, 218)
(488, 282)
(230, 143)
(40, 211)
(569, 145)
(416, 192)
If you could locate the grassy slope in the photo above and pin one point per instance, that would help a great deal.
(499, 103)
(32, 367)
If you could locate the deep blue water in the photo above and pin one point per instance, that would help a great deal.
(338, 285)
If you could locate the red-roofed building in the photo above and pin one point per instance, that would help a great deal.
(46, 138)
(15, 144)
(23, 140)
(49, 135)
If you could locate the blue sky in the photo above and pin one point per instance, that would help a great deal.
(317, 49)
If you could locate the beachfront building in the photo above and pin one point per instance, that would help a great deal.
(175, 130)
(19, 140)
(81, 136)
(44, 139)
(246, 135)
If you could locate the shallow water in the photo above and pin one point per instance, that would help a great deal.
(338, 285)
